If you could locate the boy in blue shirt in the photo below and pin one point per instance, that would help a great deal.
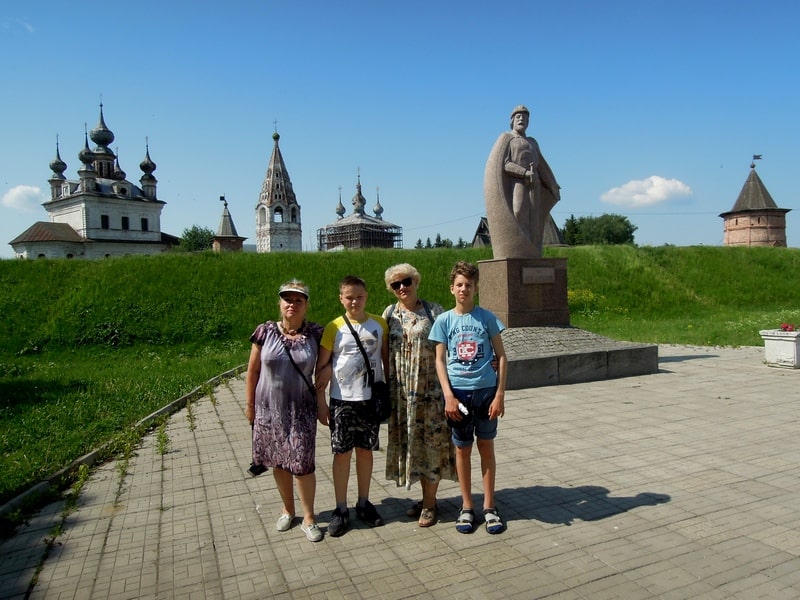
(467, 340)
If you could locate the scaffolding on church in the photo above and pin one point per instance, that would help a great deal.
(365, 232)
(359, 230)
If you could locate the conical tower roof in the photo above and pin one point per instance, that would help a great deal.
(754, 194)
(226, 227)
(277, 186)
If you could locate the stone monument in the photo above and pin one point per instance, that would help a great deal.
(518, 285)
(529, 292)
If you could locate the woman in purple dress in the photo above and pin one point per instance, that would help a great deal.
(282, 407)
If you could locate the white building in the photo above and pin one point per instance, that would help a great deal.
(278, 223)
(101, 214)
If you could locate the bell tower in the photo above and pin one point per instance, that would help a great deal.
(278, 227)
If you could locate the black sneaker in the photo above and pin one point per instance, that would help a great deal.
(369, 515)
(339, 522)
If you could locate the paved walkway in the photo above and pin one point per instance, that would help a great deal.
(682, 484)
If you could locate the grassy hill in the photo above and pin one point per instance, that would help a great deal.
(87, 348)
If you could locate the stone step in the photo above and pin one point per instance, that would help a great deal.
(541, 356)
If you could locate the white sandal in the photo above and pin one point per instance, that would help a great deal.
(493, 522)
(466, 521)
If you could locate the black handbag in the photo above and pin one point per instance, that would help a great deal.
(383, 401)
(381, 395)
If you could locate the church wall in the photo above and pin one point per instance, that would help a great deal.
(279, 237)
(90, 250)
(71, 214)
(116, 210)
(85, 216)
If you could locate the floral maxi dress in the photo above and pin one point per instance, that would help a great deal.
(285, 427)
(419, 444)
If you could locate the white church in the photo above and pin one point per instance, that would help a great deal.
(102, 214)
(278, 222)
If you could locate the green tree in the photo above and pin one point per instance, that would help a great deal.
(419, 245)
(428, 243)
(196, 239)
(606, 229)
(571, 232)
(442, 242)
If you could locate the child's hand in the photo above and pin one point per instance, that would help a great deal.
(451, 409)
(497, 407)
(323, 377)
(323, 413)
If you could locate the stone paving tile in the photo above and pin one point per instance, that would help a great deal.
(674, 485)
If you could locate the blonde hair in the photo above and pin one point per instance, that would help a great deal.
(402, 270)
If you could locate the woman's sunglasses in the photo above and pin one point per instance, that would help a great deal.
(406, 282)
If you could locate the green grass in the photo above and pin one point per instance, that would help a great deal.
(89, 348)
(696, 295)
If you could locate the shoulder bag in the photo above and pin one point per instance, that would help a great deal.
(381, 398)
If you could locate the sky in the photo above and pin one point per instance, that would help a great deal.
(648, 109)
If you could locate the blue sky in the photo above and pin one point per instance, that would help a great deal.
(648, 109)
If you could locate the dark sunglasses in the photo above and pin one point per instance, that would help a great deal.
(406, 282)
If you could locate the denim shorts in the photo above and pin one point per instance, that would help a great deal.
(477, 423)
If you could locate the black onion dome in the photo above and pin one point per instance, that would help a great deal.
(119, 174)
(57, 165)
(86, 156)
(102, 135)
(147, 165)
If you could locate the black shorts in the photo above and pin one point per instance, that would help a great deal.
(353, 425)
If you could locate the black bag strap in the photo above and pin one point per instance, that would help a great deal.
(299, 370)
(424, 305)
(370, 371)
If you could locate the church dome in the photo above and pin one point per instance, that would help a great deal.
(86, 156)
(101, 135)
(147, 165)
(119, 174)
(57, 165)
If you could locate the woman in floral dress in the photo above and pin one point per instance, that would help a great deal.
(419, 446)
(282, 407)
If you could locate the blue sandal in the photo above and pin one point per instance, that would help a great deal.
(466, 521)
(493, 522)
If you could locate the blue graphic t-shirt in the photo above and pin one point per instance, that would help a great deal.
(469, 346)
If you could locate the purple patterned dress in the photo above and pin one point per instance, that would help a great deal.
(285, 428)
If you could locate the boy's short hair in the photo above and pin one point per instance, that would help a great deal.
(352, 280)
(465, 269)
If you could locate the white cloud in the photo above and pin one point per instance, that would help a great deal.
(9, 23)
(646, 192)
(23, 198)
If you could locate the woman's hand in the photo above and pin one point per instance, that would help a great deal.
(323, 376)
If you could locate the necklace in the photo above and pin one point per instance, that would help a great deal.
(288, 331)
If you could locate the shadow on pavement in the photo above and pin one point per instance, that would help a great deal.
(562, 505)
(685, 357)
